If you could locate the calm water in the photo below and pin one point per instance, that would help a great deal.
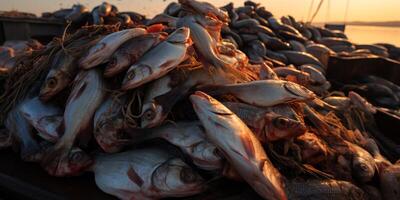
(373, 34)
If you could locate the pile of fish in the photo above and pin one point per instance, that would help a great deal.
(104, 13)
(200, 95)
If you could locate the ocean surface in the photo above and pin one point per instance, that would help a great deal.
(373, 34)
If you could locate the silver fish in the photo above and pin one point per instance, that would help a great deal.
(87, 94)
(149, 173)
(155, 112)
(264, 93)
(130, 52)
(108, 123)
(239, 146)
(316, 76)
(363, 163)
(302, 78)
(205, 8)
(151, 111)
(300, 58)
(189, 137)
(169, 54)
(267, 126)
(101, 52)
(46, 118)
(23, 135)
(323, 190)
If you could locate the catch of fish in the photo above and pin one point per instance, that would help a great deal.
(199, 96)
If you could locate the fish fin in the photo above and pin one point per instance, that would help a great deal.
(134, 177)
(248, 145)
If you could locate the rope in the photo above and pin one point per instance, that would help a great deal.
(316, 11)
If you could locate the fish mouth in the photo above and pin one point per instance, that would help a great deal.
(110, 69)
(45, 96)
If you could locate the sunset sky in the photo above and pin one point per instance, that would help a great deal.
(359, 10)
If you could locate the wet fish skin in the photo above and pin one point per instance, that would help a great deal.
(151, 111)
(239, 146)
(263, 93)
(323, 190)
(64, 68)
(23, 136)
(189, 137)
(169, 54)
(148, 173)
(206, 8)
(46, 118)
(108, 123)
(300, 58)
(130, 52)
(87, 94)
(101, 52)
(363, 164)
(154, 113)
(266, 125)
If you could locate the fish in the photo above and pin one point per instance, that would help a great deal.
(205, 8)
(151, 111)
(149, 173)
(313, 149)
(6, 139)
(302, 78)
(187, 136)
(101, 52)
(87, 94)
(23, 135)
(390, 182)
(334, 41)
(169, 54)
(155, 112)
(297, 46)
(316, 76)
(239, 146)
(363, 164)
(321, 52)
(108, 123)
(273, 43)
(46, 118)
(361, 103)
(300, 58)
(130, 52)
(203, 42)
(263, 93)
(64, 68)
(267, 126)
(61, 74)
(323, 190)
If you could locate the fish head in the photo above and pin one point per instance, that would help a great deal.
(180, 35)
(363, 169)
(298, 90)
(94, 56)
(104, 9)
(136, 76)
(152, 115)
(117, 62)
(61, 162)
(109, 135)
(206, 156)
(176, 178)
(55, 81)
(281, 127)
(208, 107)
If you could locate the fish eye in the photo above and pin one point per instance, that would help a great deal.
(281, 122)
(131, 74)
(76, 157)
(51, 83)
(187, 175)
(149, 114)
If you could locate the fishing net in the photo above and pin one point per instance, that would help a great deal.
(32, 67)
